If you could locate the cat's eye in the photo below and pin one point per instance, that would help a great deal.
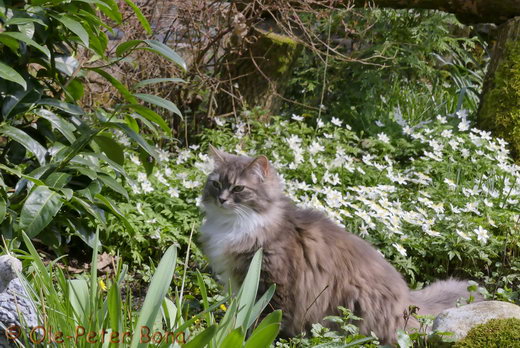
(238, 188)
(216, 184)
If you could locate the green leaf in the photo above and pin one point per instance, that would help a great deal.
(161, 102)
(127, 46)
(165, 51)
(79, 298)
(58, 180)
(113, 184)
(63, 126)
(26, 141)
(89, 208)
(115, 307)
(75, 27)
(3, 209)
(117, 84)
(234, 339)
(264, 337)
(403, 339)
(247, 294)
(24, 38)
(24, 20)
(261, 304)
(69, 108)
(157, 80)
(151, 116)
(202, 339)
(137, 138)
(8, 73)
(39, 209)
(274, 317)
(142, 19)
(113, 208)
(111, 148)
(156, 292)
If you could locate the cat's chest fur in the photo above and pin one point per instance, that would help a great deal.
(227, 238)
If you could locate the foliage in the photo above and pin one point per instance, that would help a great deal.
(85, 311)
(494, 333)
(57, 157)
(438, 200)
(413, 63)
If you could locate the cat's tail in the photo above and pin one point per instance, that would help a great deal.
(441, 295)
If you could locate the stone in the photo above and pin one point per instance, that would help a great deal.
(460, 320)
(16, 307)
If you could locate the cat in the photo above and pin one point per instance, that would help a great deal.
(316, 265)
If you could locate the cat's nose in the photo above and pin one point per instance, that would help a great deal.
(222, 200)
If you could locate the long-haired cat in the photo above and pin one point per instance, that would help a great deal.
(316, 265)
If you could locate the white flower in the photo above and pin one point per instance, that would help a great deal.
(296, 117)
(189, 184)
(464, 125)
(147, 186)
(383, 137)
(173, 192)
(320, 123)
(462, 235)
(142, 177)
(336, 121)
(315, 147)
(463, 114)
(134, 159)
(482, 234)
(399, 249)
(451, 184)
(379, 123)
(441, 119)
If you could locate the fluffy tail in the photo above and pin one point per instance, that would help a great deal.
(441, 295)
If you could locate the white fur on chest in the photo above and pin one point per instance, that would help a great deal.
(226, 235)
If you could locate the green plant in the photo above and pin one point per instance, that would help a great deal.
(56, 156)
(494, 333)
(410, 64)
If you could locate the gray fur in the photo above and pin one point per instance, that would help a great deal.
(316, 265)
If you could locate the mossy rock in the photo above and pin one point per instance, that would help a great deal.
(496, 333)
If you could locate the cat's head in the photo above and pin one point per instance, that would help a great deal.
(239, 184)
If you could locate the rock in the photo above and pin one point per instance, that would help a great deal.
(461, 319)
(13, 299)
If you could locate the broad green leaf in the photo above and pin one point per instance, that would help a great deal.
(403, 339)
(142, 19)
(3, 209)
(113, 208)
(264, 337)
(234, 339)
(39, 209)
(8, 73)
(17, 100)
(115, 308)
(113, 184)
(165, 51)
(261, 304)
(127, 47)
(24, 38)
(111, 148)
(24, 20)
(79, 298)
(137, 138)
(26, 141)
(158, 289)
(89, 208)
(202, 339)
(152, 116)
(247, 293)
(76, 27)
(274, 317)
(112, 12)
(158, 101)
(69, 108)
(63, 126)
(58, 179)
(117, 84)
(157, 80)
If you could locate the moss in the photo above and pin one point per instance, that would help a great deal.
(496, 333)
(500, 108)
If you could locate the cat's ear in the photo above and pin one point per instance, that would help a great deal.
(259, 166)
(218, 156)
